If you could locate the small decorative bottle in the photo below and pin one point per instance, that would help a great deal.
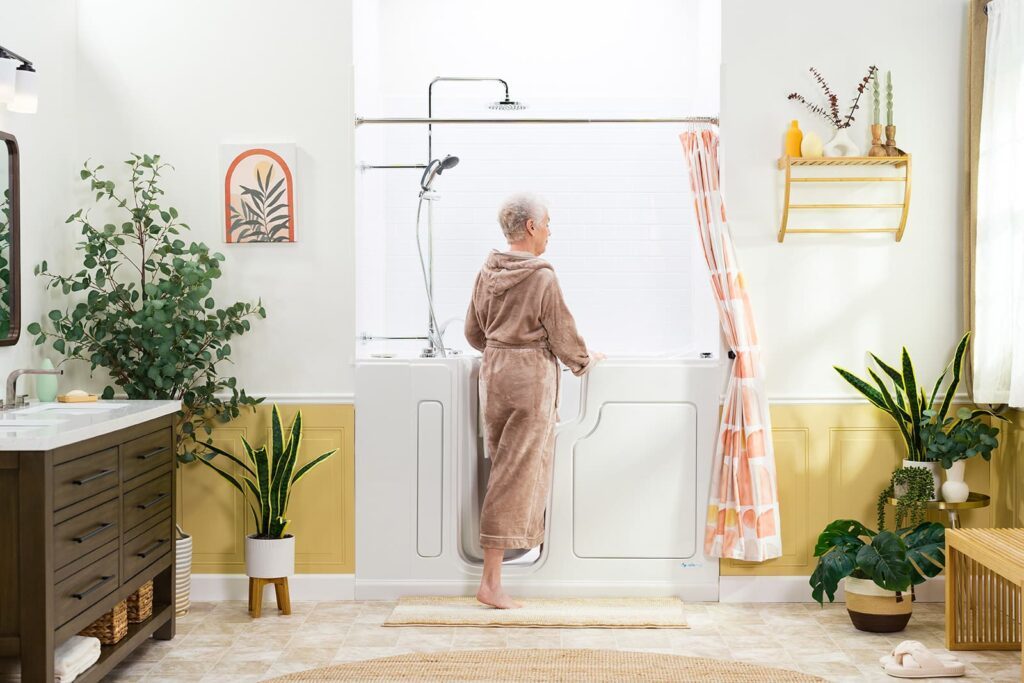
(794, 136)
(46, 385)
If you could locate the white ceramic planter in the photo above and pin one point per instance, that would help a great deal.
(841, 145)
(269, 558)
(182, 573)
(932, 467)
(955, 490)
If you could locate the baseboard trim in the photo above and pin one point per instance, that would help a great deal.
(796, 589)
(528, 588)
(301, 587)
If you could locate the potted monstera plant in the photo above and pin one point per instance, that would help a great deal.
(265, 480)
(878, 569)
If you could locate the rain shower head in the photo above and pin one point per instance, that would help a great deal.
(506, 105)
(435, 168)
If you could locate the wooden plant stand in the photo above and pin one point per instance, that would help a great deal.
(256, 586)
(984, 572)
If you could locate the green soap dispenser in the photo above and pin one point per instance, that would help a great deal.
(46, 385)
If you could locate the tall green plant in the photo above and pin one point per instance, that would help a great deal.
(145, 312)
(267, 477)
(911, 408)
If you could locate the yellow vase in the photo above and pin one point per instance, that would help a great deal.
(794, 136)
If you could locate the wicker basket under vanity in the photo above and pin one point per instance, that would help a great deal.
(111, 627)
(140, 604)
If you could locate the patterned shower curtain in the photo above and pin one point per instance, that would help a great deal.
(743, 507)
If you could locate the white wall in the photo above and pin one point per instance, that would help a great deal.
(179, 79)
(824, 300)
(623, 236)
(44, 32)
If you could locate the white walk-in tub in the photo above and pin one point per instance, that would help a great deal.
(628, 497)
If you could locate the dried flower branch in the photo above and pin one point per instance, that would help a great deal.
(832, 113)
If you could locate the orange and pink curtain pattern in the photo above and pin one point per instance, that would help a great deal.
(743, 507)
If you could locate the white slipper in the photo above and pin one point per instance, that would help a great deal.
(890, 658)
(911, 659)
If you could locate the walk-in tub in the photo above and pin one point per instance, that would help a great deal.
(630, 481)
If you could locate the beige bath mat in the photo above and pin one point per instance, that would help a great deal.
(541, 612)
(593, 666)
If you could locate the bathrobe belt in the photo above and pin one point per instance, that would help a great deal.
(531, 345)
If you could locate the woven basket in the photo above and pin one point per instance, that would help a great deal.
(140, 603)
(111, 627)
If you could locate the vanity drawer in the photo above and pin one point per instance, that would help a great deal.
(147, 453)
(84, 589)
(84, 533)
(147, 501)
(147, 547)
(78, 479)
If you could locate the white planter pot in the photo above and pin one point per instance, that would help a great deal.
(955, 490)
(182, 573)
(269, 558)
(841, 145)
(932, 467)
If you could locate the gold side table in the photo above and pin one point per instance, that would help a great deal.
(974, 500)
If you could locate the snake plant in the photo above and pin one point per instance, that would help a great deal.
(266, 480)
(924, 428)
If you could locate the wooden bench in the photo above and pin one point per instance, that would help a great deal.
(984, 574)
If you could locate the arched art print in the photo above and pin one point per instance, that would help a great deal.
(259, 193)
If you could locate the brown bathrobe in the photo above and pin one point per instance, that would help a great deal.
(518, 319)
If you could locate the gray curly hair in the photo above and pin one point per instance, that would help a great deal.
(514, 213)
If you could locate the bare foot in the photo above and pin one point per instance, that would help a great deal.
(496, 598)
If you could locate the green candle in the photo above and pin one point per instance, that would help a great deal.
(874, 91)
(888, 98)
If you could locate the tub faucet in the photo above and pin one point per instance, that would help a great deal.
(12, 381)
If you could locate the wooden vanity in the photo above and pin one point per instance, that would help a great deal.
(83, 526)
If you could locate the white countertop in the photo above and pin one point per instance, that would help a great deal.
(45, 426)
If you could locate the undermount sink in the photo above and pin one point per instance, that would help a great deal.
(72, 408)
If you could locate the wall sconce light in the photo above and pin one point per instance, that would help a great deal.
(19, 87)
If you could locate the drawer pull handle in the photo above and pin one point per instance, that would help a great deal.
(151, 503)
(93, 477)
(98, 530)
(149, 454)
(81, 596)
(147, 551)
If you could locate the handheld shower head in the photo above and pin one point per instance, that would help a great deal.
(435, 168)
(506, 105)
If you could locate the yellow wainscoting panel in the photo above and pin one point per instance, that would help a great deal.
(1008, 472)
(322, 507)
(832, 461)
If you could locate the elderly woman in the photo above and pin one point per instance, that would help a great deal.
(520, 322)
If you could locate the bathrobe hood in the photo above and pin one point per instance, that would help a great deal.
(503, 270)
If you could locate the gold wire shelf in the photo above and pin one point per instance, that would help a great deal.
(787, 163)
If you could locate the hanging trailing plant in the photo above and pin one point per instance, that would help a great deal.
(146, 314)
(912, 504)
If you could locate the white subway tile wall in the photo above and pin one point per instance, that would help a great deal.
(624, 242)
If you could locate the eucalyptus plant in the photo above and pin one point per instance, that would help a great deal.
(927, 432)
(893, 560)
(266, 477)
(143, 308)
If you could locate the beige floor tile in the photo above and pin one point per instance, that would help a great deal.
(352, 654)
(369, 635)
(235, 668)
(471, 638)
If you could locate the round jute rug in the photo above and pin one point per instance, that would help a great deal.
(547, 665)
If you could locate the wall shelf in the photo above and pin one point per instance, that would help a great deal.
(788, 163)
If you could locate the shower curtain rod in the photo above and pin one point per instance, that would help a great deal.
(665, 119)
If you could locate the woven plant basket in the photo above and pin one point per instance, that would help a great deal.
(111, 627)
(140, 603)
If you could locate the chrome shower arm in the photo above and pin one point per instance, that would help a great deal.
(430, 102)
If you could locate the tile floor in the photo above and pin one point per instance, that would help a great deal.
(220, 642)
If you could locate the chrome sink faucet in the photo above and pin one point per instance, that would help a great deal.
(12, 401)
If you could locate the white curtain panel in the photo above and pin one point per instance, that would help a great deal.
(999, 279)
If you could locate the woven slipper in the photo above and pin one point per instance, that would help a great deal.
(891, 658)
(911, 659)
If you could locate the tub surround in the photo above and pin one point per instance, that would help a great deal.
(87, 507)
(45, 426)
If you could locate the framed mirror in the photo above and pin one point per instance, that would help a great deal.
(10, 237)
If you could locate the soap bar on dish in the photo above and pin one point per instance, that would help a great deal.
(76, 396)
